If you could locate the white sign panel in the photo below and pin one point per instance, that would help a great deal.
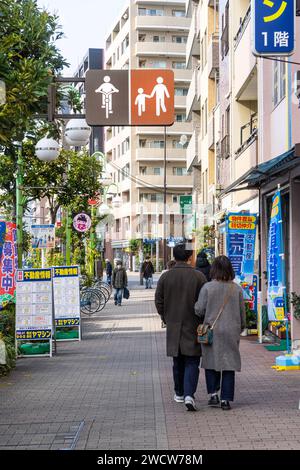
(43, 236)
(34, 311)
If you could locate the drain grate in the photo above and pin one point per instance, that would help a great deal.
(45, 435)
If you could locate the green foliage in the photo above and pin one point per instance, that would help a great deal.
(205, 237)
(250, 316)
(7, 334)
(29, 59)
(134, 245)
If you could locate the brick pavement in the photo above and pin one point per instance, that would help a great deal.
(113, 390)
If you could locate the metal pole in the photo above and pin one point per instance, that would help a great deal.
(92, 242)
(68, 238)
(19, 207)
(165, 200)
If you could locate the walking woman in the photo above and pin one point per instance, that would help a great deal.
(222, 358)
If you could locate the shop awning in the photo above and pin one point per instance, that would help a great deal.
(265, 172)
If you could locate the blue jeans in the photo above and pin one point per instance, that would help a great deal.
(148, 282)
(118, 296)
(108, 279)
(186, 374)
(214, 382)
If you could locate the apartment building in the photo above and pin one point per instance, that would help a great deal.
(256, 132)
(149, 34)
(202, 54)
(92, 60)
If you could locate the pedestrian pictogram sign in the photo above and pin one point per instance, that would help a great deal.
(130, 97)
(273, 23)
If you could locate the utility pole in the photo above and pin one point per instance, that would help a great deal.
(19, 207)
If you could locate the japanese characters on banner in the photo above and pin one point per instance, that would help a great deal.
(34, 309)
(241, 236)
(66, 302)
(275, 263)
(8, 262)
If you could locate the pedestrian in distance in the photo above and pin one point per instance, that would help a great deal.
(148, 271)
(175, 297)
(222, 359)
(119, 281)
(203, 265)
(109, 270)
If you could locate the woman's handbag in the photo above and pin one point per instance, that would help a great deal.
(126, 293)
(205, 333)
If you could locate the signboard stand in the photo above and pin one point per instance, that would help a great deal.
(34, 313)
(66, 303)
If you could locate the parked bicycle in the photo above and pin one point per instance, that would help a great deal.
(94, 298)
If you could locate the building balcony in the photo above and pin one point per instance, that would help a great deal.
(118, 236)
(177, 128)
(248, 134)
(162, 23)
(123, 211)
(192, 151)
(245, 83)
(192, 101)
(180, 101)
(156, 208)
(154, 154)
(165, 49)
(213, 56)
(211, 132)
(246, 160)
(193, 43)
(179, 182)
(182, 75)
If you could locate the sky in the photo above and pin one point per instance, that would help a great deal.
(86, 23)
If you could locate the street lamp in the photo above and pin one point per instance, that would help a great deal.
(46, 150)
(77, 132)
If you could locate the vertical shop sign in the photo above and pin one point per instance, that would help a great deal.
(66, 302)
(34, 312)
(241, 235)
(275, 263)
(8, 262)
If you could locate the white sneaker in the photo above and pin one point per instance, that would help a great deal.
(178, 399)
(190, 403)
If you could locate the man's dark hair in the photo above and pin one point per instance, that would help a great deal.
(222, 270)
(181, 254)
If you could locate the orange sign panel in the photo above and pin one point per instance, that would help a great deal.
(152, 97)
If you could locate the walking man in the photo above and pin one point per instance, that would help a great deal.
(177, 291)
(160, 91)
(148, 271)
(119, 281)
(109, 270)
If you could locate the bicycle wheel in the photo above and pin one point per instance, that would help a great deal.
(90, 301)
(102, 301)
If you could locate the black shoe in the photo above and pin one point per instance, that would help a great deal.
(225, 405)
(214, 401)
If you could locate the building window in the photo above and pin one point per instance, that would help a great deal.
(178, 13)
(157, 144)
(178, 65)
(179, 39)
(157, 64)
(180, 117)
(279, 81)
(150, 12)
(175, 199)
(176, 144)
(159, 39)
(157, 171)
(179, 171)
(181, 91)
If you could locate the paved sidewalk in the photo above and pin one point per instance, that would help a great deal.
(113, 390)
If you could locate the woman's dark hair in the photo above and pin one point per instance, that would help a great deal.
(181, 254)
(171, 264)
(222, 270)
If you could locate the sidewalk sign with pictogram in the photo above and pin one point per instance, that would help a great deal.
(130, 97)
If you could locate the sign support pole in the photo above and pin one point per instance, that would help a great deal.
(19, 208)
(165, 200)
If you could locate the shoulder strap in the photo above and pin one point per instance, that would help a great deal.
(223, 306)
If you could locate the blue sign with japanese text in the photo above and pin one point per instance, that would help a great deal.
(275, 264)
(273, 23)
(241, 234)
